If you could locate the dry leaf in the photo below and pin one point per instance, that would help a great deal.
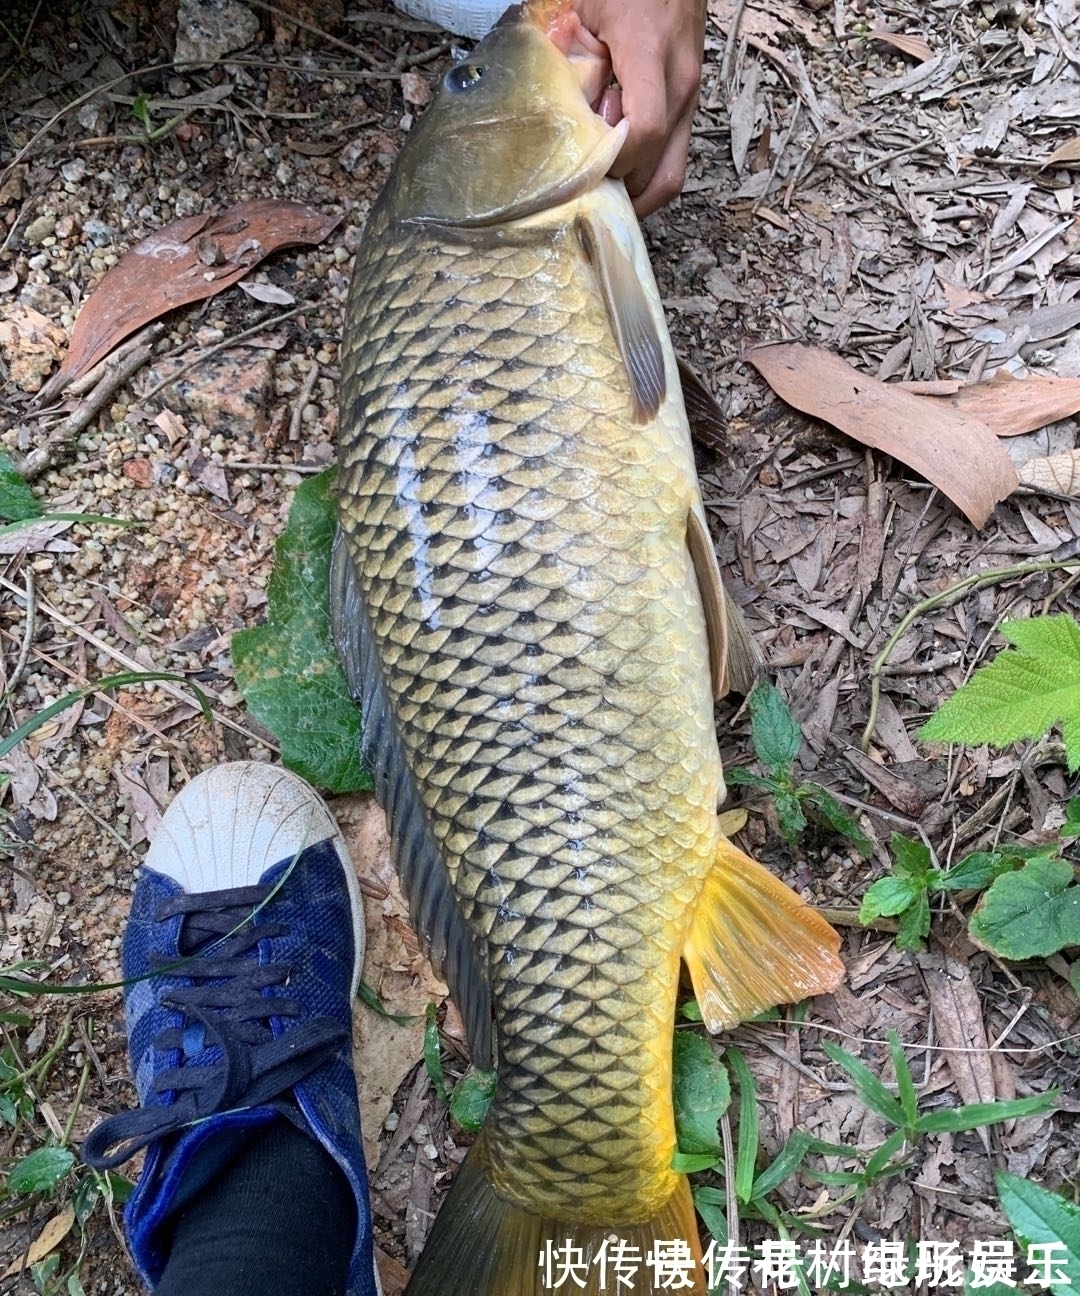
(30, 343)
(955, 451)
(1068, 153)
(47, 1240)
(1009, 406)
(960, 1030)
(916, 46)
(1059, 474)
(185, 261)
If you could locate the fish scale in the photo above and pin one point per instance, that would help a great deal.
(519, 547)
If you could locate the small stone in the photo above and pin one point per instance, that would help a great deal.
(40, 229)
(207, 30)
(74, 171)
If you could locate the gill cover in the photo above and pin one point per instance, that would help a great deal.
(509, 133)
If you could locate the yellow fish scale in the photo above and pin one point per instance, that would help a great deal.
(520, 546)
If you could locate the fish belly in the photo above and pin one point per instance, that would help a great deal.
(520, 546)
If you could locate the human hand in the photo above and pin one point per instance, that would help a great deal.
(656, 50)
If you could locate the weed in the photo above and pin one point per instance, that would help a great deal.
(777, 738)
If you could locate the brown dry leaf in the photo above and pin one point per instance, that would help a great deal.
(384, 1050)
(916, 46)
(958, 1019)
(955, 451)
(185, 261)
(1065, 155)
(47, 1240)
(1009, 406)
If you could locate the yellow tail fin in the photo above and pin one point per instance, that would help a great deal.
(482, 1245)
(754, 944)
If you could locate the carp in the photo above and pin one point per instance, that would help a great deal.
(528, 605)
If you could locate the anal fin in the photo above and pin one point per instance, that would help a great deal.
(754, 943)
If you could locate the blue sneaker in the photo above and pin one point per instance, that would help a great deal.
(243, 949)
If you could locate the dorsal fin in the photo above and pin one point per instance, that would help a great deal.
(631, 318)
(438, 920)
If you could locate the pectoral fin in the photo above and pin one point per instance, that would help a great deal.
(754, 943)
(734, 658)
(630, 315)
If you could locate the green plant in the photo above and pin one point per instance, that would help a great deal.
(901, 1110)
(1031, 905)
(1020, 694)
(47, 1180)
(1045, 1220)
(777, 738)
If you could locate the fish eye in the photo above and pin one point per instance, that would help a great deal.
(464, 76)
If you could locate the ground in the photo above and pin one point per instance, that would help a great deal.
(883, 198)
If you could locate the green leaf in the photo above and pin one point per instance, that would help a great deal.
(1039, 1217)
(887, 897)
(739, 775)
(867, 1085)
(693, 1162)
(710, 1204)
(1031, 913)
(17, 501)
(977, 870)
(773, 729)
(784, 1164)
(914, 924)
(911, 858)
(746, 1153)
(433, 1054)
(702, 1093)
(881, 1164)
(1071, 826)
(905, 1086)
(789, 814)
(1020, 694)
(971, 1115)
(288, 670)
(471, 1098)
(838, 819)
(40, 1171)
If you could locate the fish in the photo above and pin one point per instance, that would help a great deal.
(528, 606)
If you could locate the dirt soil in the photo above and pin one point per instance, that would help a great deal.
(883, 196)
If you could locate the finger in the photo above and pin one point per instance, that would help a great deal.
(645, 105)
(651, 191)
(610, 107)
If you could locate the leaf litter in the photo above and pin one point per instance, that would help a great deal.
(884, 210)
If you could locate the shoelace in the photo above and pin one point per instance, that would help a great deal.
(226, 1000)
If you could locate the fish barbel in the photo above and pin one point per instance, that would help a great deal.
(527, 603)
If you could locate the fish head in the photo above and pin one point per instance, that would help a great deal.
(511, 130)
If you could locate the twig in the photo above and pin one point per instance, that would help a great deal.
(171, 690)
(101, 823)
(28, 635)
(945, 598)
(732, 44)
(45, 456)
(356, 51)
(297, 420)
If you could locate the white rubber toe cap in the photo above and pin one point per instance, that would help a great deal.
(233, 822)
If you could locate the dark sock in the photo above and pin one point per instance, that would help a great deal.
(279, 1219)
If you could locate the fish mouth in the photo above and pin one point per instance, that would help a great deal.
(587, 56)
